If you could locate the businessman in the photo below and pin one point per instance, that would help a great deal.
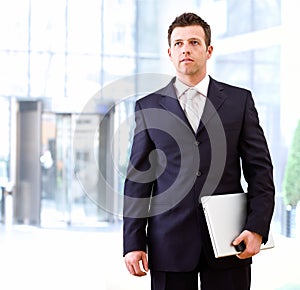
(192, 138)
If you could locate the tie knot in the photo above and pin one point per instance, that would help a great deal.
(191, 93)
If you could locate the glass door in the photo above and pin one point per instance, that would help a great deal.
(4, 152)
(64, 200)
(88, 193)
(56, 169)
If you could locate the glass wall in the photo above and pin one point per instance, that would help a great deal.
(66, 53)
(251, 16)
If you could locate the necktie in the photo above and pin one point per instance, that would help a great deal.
(193, 108)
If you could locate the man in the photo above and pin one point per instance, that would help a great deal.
(177, 156)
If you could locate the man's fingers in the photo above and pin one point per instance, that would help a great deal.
(132, 261)
(130, 269)
(138, 271)
(239, 239)
(252, 241)
(145, 262)
(134, 269)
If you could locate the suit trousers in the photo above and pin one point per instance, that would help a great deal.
(210, 279)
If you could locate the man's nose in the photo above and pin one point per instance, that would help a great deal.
(186, 49)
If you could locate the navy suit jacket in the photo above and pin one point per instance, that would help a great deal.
(171, 167)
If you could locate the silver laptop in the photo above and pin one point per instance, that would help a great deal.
(225, 216)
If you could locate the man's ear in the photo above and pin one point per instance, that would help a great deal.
(209, 51)
(169, 52)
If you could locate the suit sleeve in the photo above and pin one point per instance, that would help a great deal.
(137, 188)
(258, 172)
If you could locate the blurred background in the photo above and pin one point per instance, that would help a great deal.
(70, 72)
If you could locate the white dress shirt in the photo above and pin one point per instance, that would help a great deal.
(198, 102)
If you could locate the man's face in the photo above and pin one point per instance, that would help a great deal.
(188, 51)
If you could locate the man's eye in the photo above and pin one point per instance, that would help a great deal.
(177, 43)
(195, 42)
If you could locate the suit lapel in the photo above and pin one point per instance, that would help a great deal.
(215, 99)
(169, 102)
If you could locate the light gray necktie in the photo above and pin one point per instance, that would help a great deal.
(192, 108)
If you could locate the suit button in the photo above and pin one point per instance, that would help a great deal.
(199, 173)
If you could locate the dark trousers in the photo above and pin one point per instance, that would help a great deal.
(210, 279)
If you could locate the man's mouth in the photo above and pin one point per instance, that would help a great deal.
(186, 60)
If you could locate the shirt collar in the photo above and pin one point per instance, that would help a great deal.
(201, 87)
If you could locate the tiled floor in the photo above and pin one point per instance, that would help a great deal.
(43, 259)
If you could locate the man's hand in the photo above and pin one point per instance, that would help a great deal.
(252, 241)
(134, 260)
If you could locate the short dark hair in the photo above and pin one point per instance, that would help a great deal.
(188, 19)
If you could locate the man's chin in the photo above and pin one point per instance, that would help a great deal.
(187, 72)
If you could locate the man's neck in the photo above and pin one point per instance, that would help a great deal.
(189, 80)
